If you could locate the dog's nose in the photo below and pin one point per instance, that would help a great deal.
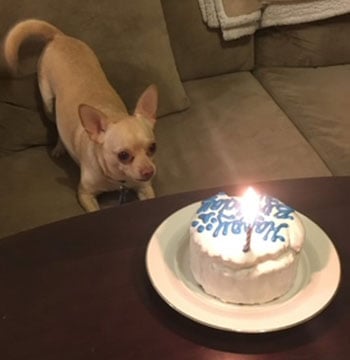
(147, 173)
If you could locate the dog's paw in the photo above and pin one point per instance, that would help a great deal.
(87, 200)
(145, 193)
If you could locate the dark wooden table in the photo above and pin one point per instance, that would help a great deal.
(78, 289)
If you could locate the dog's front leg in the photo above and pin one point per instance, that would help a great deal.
(87, 200)
(145, 192)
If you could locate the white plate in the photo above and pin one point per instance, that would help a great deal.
(168, 268)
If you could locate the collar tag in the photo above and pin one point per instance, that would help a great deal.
(123, 191)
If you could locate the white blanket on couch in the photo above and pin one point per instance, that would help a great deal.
(237, 18)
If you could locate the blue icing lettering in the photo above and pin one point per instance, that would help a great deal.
(277, 208)
(216, 203)
(269, 229)
(223, 217)
(206, 217)
(227, 223)
(276, 235)
(200, 228)
(206, 204)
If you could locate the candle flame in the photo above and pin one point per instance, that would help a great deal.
(250, 205)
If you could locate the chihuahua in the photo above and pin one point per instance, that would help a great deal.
(112, 148)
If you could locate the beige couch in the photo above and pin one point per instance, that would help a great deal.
(268, 106)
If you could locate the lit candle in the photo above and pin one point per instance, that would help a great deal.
(250, 205)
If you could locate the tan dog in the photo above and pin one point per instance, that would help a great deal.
(110, 146)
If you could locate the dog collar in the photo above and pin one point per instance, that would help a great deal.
(123, 191)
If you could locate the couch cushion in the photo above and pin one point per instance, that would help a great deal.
(317, 43)
(317, 101)
(129, 37)
(233, 132)
(21, 128)
(36, 190)
(200, 51)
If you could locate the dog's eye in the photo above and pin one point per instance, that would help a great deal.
(125, 157)
(152, 149)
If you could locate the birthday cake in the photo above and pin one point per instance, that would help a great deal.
(240, 262)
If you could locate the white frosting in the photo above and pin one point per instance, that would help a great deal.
(218, 235)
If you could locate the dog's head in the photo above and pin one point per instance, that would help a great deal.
(127, 145)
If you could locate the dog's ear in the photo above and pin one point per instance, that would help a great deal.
(147, 104)
(94, 122)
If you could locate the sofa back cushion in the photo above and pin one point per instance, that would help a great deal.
(130, 39)
(319, 43)
(199, 51)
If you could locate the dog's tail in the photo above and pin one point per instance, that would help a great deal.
(20, 33)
